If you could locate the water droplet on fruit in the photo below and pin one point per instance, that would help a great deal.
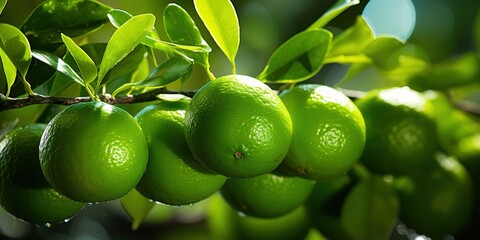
(47, 225)
(241, 214)
(190, 205)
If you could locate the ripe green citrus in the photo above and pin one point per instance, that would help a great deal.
(93, 152)
(224, 222)
(401, 132)
(238, 127)
(328, 132)
(24, 192)
(268, 195)
(439, 203)
(173, 176)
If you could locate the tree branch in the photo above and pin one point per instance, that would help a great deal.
(13, 103)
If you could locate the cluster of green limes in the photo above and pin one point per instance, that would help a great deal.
(235, 135)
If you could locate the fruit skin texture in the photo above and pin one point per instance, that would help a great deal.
(401, 132)
(266, 196)
(24, 192)
(173, 176)
(328, 132)
(93, 152)
(238, 127)
(439, 203)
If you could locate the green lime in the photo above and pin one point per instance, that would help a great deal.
(328, 132)
(93, 152)
(401, 131)
(238, 127)
(173, 176)
(24, 192)
(266, 196)
(439, 203)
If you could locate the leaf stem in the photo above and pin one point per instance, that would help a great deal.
(27, 86)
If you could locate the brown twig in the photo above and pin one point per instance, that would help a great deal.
(13, 103)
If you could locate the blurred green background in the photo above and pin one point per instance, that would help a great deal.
(444, 29)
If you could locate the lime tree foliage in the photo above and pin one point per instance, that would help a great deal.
(345, 164)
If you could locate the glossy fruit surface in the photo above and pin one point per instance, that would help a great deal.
(238, 127)
(24, 192)
(93, 152)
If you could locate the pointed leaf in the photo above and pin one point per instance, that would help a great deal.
(118, 17)
(123, 41)
(71, 17)
(16, 47)
(167, 72)
(137, 207)
(9, 70)
(353, 40)
(221, 20)
(86, 65)
(299, 58)
(339, 7)
(370, 210)
(3, 3)
(58, 64)
(181, 29)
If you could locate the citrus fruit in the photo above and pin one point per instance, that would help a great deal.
(238, 127)
(438, 203)
(224, 222)
(93, 152)
(328, 132)
(267, 196)
(401, 132)
(24, 192)
(173, 176)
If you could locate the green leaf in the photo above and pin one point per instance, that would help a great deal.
(137, 207)
(123, 41)
(71, 17)
(58, 64)
(352, 41)
(299, 58)
(3, 3)
(339, 7)
(16, 47)
(86, 65)
(167, 72)
(370, 210)
(221, 20)
(119, 17)
(181, 29)
(455, 72)
(9, 69)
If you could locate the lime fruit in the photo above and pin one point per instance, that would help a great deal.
(93, 152)
(173, 176)
(224, 222)
(238, 127)
(401, 132)
(328, 132)
(24, 192)
(266, 196)
(439, 203)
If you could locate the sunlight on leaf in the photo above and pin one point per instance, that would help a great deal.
(3, 3)
(137, 207)
(86, 65)
(339, 7)
(352, 41)
(299, 58)
(221, 20)
(181, 29)
(9, 69)
(58, 64)
(118, 17)
(16, 46)
(123, 41)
